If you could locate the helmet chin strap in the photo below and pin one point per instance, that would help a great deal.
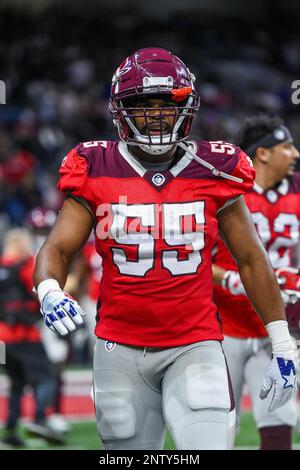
(156, 149)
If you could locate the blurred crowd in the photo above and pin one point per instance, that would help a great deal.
(57, 66)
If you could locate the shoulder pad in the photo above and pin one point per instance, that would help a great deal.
(222, 155)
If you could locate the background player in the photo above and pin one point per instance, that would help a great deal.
(274, 204)
(156, 203)
(39, 221)
(26, 359)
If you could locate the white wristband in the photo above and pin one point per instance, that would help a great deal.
(282, 344)
(45, 286)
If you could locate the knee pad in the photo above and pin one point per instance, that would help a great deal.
(115, 411)
(206, 430)
(207, 387)
(211, 424)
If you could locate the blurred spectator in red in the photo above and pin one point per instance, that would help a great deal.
(26, 359)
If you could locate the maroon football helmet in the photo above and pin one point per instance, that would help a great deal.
(153, 73)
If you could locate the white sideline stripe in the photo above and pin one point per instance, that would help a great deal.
(77, 419)
(81, 376)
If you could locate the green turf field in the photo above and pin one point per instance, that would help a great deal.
(83, 436)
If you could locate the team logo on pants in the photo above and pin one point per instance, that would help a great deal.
(109, 346)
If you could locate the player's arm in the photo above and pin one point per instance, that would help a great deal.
(263, 291)
(69, 234)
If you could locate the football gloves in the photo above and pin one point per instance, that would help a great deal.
(62, 314)
(281, 373)
(289, 282)
(232, 282)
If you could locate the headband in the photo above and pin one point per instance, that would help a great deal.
(279, 135)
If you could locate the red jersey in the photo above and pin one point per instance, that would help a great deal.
(276, 215)
(155, 232)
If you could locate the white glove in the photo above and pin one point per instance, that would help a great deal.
(61, 312)
(281, 372)
(231, 281)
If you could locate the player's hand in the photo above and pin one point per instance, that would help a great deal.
(232, 282)
(62, 314)
(289, 282)
(281, 375)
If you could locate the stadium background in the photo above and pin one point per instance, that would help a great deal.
(57, 59)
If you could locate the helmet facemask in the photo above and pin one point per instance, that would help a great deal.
(163, 124)
(153, 74)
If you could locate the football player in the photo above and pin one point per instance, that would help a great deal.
(274, 204)
(155, 200)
